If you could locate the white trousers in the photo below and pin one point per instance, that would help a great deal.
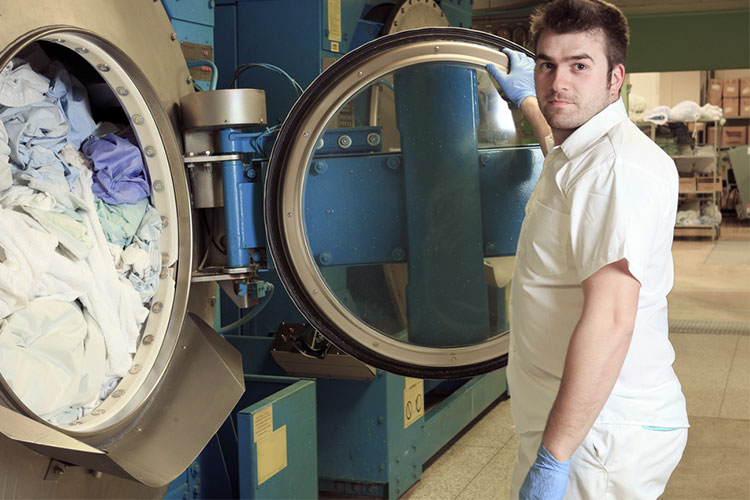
(617, 462)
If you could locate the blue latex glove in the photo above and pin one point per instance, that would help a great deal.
(518, 83)
(546, 479)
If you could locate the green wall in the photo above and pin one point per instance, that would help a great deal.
(689, 41)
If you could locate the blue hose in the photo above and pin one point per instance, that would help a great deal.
(250, 315)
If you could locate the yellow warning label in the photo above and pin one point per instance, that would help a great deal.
(262, 423)
(334, 21)
(413, 400)
(271, 454)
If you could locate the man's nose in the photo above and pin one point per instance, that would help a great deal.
(560, 79)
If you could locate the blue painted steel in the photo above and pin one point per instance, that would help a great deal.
(448, 417)
(294, 411)
(355, 211)
(458, 12)
(362, 425)
(350, 140)
(507, 178)
(447, 295)
(198, 12)
(233, 177)
(368, 452)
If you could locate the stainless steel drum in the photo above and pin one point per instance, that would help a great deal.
(185, 379)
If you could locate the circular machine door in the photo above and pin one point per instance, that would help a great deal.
(100, 365)
(394, 198)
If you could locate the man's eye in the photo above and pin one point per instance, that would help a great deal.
(580, 67)
(546, 65)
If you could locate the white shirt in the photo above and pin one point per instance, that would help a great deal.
(606, 193)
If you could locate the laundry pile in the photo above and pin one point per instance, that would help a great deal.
(79, 253)
(697, 212)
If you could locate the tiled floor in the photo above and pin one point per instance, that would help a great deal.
(714, 370)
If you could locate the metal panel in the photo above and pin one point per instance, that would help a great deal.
(292, 413)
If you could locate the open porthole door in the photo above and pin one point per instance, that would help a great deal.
(116, 380)
(394, 198)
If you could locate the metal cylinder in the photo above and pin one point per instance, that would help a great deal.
(235, 108)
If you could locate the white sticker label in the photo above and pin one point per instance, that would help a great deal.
(334, 46)
(413, 400)
(271, 454)
(262, 423)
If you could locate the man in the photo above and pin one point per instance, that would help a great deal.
(595, 400)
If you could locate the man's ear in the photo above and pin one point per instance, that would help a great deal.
(615, 80)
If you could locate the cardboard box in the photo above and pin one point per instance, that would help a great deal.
(745, 106)
(733, 136)
(714, 92)
(688, 185)
(731, 87)
(710, 133)
(709, 184)
(745, 87)
(731, 106)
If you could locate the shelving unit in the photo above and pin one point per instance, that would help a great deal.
(703, 186)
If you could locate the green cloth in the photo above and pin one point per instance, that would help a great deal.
(120, 222)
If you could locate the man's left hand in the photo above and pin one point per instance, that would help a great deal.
(546, 479)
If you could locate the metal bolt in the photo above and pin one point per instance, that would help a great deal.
(325, 258)
(305, 134)
(164, 258)
(150, 151)
(373, 139)
(98, 412)
(256, 257)
(490, 247)
(158, 186)
(164, 221)
(138, 119)
(320, 167)
(58, 40)
(118, 393)
(122, 91)
(393, 162)
(134, 369)
(148, 339)
(345, 142)
(289, 215)
(453, 359)
(320, 143)
(189, 80)
(157, 307)
(484, 159)
(173, 36)
(82, 50)
(103, 67)
(437, 49)
(360, 74)
(251, 173)
(398, 253)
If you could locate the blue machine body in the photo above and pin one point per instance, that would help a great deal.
(348, 437)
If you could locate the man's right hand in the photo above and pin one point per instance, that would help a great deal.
(518, 83)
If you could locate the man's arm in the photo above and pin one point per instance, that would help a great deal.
(518, 85)
(530, 109)
(595, 356)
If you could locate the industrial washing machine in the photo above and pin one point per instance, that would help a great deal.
(387, 207)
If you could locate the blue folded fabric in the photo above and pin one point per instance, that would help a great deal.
(72, 100)
(119, 175)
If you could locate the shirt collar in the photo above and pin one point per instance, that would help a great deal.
(598, 125)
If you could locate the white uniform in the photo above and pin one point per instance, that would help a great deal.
(606, 193)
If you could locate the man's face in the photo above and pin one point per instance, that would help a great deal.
(571, 79)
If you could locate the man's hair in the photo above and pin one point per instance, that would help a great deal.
(580, 16)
